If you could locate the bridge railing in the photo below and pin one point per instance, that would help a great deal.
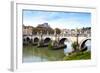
(64, 35)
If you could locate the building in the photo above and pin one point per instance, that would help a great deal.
(44, 25)
(27, 30)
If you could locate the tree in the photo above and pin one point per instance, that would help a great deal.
(35, 30)
(75, 46)
(58, 31)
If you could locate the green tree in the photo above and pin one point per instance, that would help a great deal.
(75, 46)
(58, 31)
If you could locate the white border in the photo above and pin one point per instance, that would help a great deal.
(17, 37)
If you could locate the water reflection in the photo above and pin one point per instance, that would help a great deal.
(35, 54)
(88, 45)
(69, 48)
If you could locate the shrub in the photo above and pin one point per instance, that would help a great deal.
(50, 45)
(75, 46)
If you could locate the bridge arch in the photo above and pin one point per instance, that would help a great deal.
(47, 40)
(62, 40)
(27, 40)
(36, 39)
(82, 44)
(24, 39)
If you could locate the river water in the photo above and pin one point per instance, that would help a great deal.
(35, 54)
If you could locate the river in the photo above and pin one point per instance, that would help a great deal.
(36, 54)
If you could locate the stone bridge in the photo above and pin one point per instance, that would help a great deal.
(60, 38)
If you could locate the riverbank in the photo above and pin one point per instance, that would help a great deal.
(79, 56)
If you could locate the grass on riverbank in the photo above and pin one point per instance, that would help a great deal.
(78, 56)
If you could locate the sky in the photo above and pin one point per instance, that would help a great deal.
(62, 20)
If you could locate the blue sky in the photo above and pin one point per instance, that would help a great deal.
(63, 20)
